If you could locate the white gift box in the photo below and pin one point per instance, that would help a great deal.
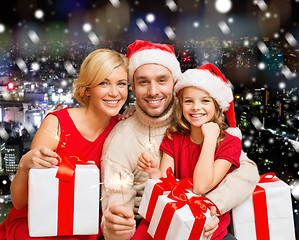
(43, 201)
(144, 204)
(181, 223)
(278, 210)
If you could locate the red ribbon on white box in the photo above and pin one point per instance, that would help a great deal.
(66, 187)
(197, 204)
(167, 184)
(260, 207)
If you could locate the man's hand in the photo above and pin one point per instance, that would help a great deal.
(119, 223)
(212, 226)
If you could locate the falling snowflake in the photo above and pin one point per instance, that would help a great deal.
(223, 6)
(263, 48)
(196, 24)
(86, 27)
(261, 66)
(115, 3)
(22, 65)
(169, 33)
(257, 123)
(93, 38)
(35, 66)
(291, 40)
(141, 24)
(247, 143)
(172, 5)
(150, 17)
(261, 4)
(69, 68)
(224, 27)
(33, 37)
(2, 28)
(39, 14)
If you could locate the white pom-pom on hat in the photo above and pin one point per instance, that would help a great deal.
(209, 78)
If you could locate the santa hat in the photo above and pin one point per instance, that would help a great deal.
(209, 78)
(143, 52)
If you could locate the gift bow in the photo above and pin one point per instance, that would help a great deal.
(268, 177)
(66, 190)
(168, 183)
(67, 166)
(171, 182)
(198, 206)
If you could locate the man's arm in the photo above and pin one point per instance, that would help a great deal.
(117, 203)
(236, 186)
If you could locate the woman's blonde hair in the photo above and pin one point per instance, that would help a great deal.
(183, 126)
(94, 69)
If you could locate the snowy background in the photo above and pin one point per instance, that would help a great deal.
(254, 43)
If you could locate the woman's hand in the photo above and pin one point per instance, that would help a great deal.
(41, 157)
(127, 113)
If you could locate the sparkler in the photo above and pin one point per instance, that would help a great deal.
(122, 190)
(120, 182)
(150, 144)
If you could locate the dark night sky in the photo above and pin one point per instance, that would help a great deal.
(191, 21)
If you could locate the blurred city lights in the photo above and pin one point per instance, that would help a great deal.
(10, 86)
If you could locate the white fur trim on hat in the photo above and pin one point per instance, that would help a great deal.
(212, 84)
(234, 132)
(148, 56)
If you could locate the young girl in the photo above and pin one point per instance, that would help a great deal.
(101, 88)
(197, 145)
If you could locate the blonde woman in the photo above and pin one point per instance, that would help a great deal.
(101, 88)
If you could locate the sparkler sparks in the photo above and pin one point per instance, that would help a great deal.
(121, 181)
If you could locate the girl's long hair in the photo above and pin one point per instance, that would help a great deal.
(182, 126)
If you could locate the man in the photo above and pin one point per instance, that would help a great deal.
(153, 69)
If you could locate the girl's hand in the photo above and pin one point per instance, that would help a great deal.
(41, 157)
(210, 130)
(147, 163)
